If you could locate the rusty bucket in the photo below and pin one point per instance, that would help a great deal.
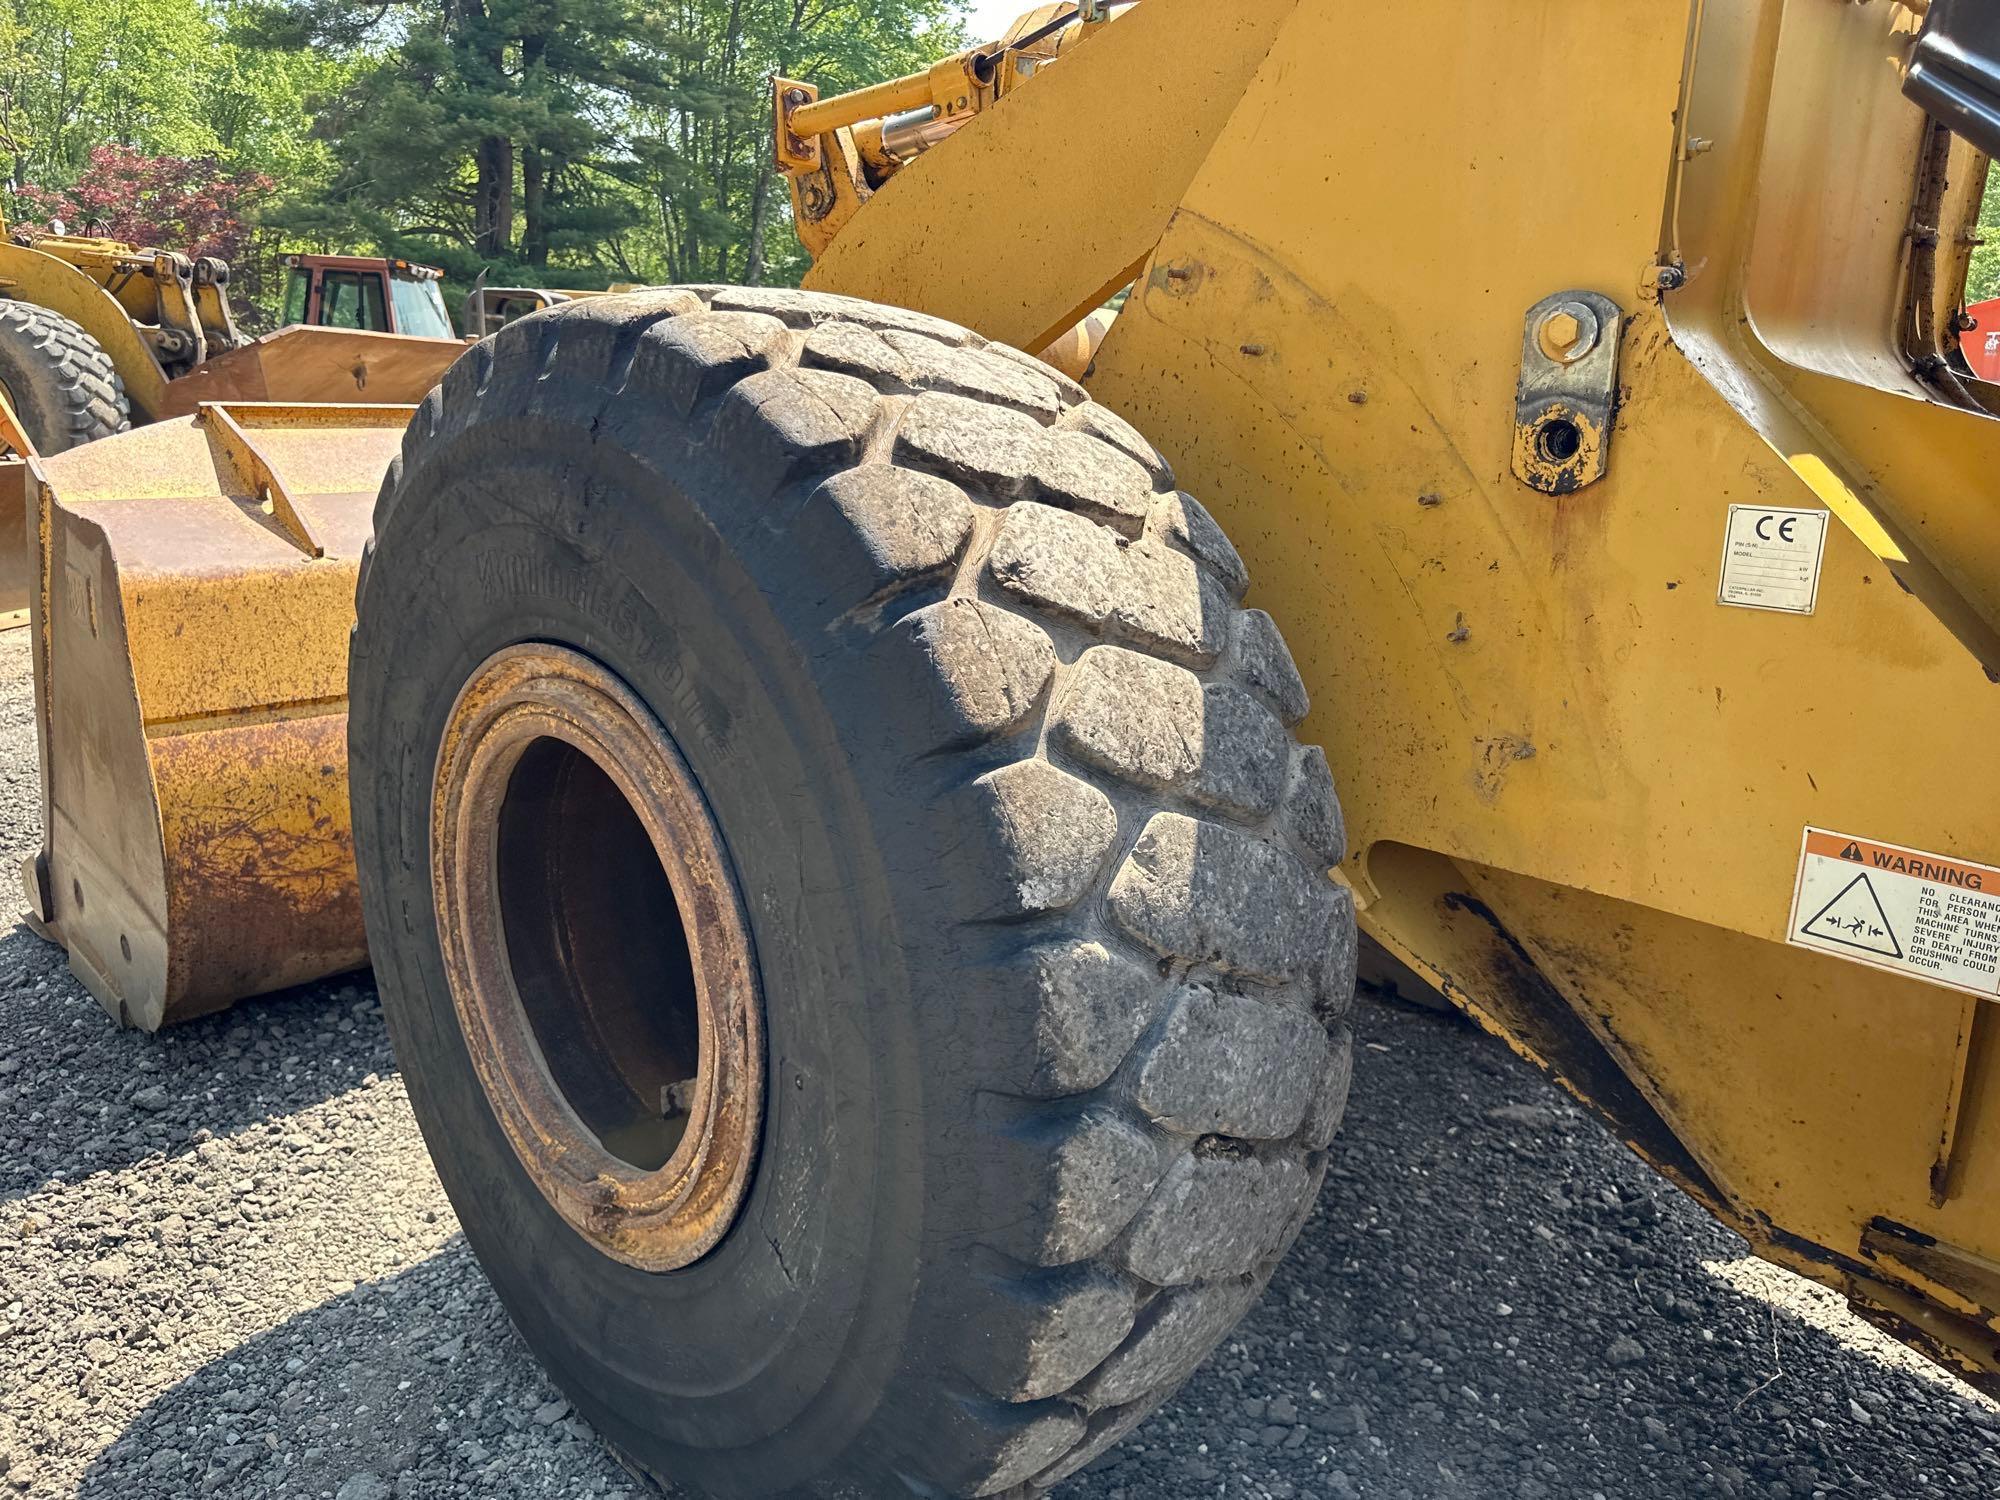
(193, 594)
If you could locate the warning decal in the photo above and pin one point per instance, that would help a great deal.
(1924, 915)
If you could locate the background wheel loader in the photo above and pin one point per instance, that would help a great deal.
(366, 292)
(820, 793)
(96, 335)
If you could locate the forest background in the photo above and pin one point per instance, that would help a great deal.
(544, 142)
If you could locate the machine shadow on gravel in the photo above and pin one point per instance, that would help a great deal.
(79, 1095)
(1397, 1355)
(1495, 1298)
(362, 1384)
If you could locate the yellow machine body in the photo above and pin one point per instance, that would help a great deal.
(1576, 782)
(192, 602)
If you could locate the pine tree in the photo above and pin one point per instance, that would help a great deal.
(474, 122)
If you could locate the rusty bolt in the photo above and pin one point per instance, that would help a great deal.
(1568, 333)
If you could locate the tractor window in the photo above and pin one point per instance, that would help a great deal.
(420, 308)
(295, 296)
(511, 309)
(352, 299)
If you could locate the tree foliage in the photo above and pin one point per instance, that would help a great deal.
(1983, 280)
(702, 154)
(162, 77)
(193, 204)
(624, 138)
(572, 142)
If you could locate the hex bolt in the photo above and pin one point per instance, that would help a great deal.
(1568, 332)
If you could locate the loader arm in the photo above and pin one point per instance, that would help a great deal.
(1096, 151)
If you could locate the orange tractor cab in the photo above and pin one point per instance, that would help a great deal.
(368, 293)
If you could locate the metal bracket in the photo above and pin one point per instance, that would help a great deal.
(1568, 395)
(252, 469)
(796, 153)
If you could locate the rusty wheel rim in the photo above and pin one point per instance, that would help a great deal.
(597, 954)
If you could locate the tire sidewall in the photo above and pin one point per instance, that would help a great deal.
(32, 387)
(752, 1364)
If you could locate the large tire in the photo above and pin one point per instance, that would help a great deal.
(61, 382)
(1055, 986)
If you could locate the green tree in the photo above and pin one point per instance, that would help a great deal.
(601, 138)
(156, 79)
(574, 141)
(157, 76)
(703, 154)
(475, 123)
(1983, 279)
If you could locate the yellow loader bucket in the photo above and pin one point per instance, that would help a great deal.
(194, 590)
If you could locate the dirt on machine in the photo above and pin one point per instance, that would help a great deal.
(848, 841)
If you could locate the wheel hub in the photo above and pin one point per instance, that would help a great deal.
(597, 953)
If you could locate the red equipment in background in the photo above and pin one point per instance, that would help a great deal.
(1982, 343)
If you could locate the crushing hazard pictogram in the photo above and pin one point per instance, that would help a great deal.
(1855, 919)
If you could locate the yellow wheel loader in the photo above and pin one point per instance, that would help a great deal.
(834, 817)
(96, 334)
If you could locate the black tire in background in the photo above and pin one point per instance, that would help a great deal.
(1055, 987)
(59, 379)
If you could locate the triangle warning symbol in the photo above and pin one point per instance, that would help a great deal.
(1855, 919)
(1852, 851)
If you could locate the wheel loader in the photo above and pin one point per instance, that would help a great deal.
(96, 334)
(840, 828)
(369, 292)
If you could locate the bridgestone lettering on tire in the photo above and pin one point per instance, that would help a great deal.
(1055, 983)
(59, 379)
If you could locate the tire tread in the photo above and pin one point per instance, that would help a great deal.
(75, 376)
(983, 530)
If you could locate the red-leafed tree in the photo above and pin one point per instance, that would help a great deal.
(190, 204)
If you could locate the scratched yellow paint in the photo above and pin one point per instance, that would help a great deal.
(1535, 706)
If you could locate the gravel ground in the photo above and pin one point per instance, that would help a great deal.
(226, 1268)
